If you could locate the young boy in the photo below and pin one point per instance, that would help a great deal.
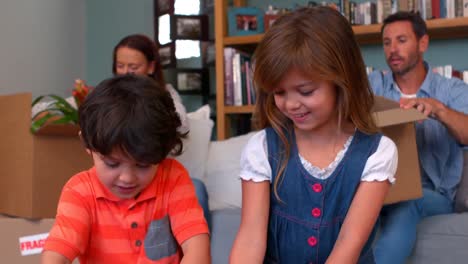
(135, 205)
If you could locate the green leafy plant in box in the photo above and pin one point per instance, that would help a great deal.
(59, 110)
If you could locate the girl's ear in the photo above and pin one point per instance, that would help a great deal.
(82, 142)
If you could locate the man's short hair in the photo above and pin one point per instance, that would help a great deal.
(418, 24)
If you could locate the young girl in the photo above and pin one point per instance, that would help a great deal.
(315, 177)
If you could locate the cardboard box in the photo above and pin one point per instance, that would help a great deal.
(34, 168)
(22, 240)
(398, 124)
(12, 230)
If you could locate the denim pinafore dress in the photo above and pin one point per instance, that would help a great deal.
(304, 226)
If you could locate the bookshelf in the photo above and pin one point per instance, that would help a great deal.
(365, 34)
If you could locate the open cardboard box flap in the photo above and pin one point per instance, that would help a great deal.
(398, 125)
(11, 106)
(35, 166)
(387, 113)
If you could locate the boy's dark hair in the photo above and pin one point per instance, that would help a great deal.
(132, 114)
(418, 24)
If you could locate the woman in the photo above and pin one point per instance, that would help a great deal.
(137, 54)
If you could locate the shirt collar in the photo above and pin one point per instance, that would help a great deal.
(102, 192)
(425, 86)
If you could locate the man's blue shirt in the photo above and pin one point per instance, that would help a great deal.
(440, 156)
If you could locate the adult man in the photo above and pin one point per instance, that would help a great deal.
(439, 138)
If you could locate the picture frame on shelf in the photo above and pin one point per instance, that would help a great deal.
(269, 20)
(162, 7)
(244, 21)
(191, 27)
(192, 81)
(167, 55)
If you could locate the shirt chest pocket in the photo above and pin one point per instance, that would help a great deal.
(159, 241)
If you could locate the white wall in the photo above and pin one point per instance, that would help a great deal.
(42, 45)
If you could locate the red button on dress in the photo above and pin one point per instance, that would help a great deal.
(316, 212)
(317, 187)
(312, 241)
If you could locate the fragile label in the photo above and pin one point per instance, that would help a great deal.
(30, 245)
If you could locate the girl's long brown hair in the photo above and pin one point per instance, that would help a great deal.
(318, 41)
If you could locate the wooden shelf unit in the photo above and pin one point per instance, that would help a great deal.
(244, 109)
(441, 28)
(365, 34)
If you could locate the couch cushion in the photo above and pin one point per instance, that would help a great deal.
(461, 199)
(442, 239)
(225, 224)
(222, 172)
(197, 142)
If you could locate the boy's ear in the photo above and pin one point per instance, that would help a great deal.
(82, 142)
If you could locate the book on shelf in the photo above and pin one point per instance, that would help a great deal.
(243, 84)
(228, 84)
(251, 93)
(435, 7)
(237, 79)
(465, 76)
(449, 72)
(458, 8)
(374, 11)
(443, 8)
(465, 8)
(369, 69)
(239, 88)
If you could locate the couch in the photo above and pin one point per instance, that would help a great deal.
(441, 239)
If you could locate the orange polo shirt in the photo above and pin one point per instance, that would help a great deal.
(98, 227)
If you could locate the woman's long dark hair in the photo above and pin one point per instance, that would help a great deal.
(148, 48)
